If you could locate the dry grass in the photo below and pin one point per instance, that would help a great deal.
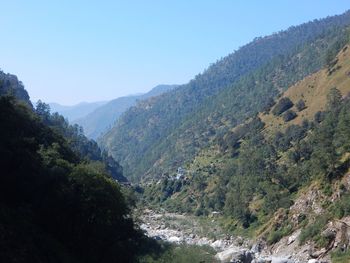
(313, 90)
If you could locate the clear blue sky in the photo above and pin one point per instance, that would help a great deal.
(72, 51)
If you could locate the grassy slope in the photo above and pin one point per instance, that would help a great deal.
(313, 90)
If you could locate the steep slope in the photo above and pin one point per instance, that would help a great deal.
(285, 182)
(57, 204)
(313, 91)
(98, 121)
(205, 171)
(76, 111)
(162, 133)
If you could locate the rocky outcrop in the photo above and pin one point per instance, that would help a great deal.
(235, 254)
(239, 250)
(308, 202)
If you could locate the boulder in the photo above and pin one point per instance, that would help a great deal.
(329, 233)
(281, 260)
(318, 253)
(273, 259)
(218, 244)
(293, 237)
(174, 239)
(235, 255)
(261, 260)
(243, 256)
(256, 248)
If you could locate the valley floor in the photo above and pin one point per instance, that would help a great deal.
(192, 230)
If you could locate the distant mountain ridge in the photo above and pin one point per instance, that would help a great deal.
(103, 117)
(75, 111)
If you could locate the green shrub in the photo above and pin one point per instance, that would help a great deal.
(313, 230)
(341, 208)
(326, 188)
(276, 235)
(339, 256)
(182, 253)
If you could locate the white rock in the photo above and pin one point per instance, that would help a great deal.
(312, 260)
(227, 254)
(293, 237)
(217, 244)
(174, 239)
(281, 260)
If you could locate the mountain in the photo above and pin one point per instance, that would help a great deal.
(76, 111)
(59, 202)
(282, 176)
(98, 121)
(258, 145)
(10, 85)
(284, 139)
(162, 133)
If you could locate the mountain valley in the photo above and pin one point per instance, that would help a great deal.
(248, 162)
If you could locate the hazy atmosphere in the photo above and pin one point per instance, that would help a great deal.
(175, 131)
(74, 51)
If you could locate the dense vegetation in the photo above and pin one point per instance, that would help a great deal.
(10, 85)
(162, 134)
(263, 173)
(59, 196)
(56, 205)
(87, 149)
(59, 199)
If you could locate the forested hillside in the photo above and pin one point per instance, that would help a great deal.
(57, 205)
(163, 133)
(249, 160)
(101, 119)
(273, 175)
(59, 198)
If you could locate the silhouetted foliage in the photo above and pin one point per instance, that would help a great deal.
(54, 205)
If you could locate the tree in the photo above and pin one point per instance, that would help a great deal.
(289, 115)
(55, 206)
(283, 105)
(342, 136)
(300, 105)
(334, 98)
(319, 116)
(42, 109)
(324, 156)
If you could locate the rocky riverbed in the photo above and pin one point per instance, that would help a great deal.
(178, 229)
